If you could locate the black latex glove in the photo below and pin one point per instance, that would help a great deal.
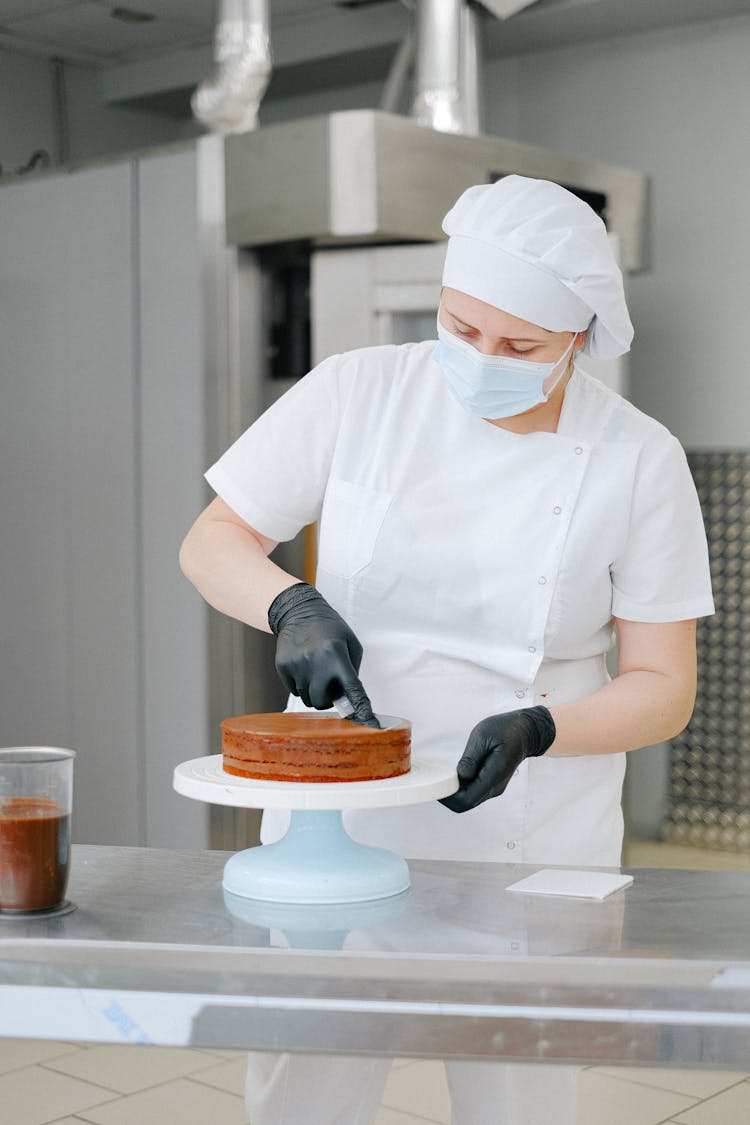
(317, 654)
(494, 751)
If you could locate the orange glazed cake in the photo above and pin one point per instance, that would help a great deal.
(309, 747)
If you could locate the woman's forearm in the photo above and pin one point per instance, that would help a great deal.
(230, 568)
(636, 709)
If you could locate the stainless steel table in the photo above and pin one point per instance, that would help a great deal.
(458, 967)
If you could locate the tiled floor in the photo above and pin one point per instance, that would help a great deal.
(49, 1083)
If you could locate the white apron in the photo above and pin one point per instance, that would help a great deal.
(444, 560)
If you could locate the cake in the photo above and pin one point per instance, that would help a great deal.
(310, 747)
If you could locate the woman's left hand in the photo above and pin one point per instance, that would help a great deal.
(495, 749)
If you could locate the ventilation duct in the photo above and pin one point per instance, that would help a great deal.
(228, 101)
(447, 76)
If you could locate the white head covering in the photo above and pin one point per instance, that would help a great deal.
(538, 252)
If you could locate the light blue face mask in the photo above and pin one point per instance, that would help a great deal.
(493, 386)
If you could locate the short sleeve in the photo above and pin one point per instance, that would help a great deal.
(274, 476)
(663, 572)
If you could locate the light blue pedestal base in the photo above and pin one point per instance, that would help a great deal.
(317, 862)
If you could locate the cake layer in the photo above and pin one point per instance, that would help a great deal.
(308, 747)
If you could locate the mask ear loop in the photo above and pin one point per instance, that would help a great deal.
(565, 368)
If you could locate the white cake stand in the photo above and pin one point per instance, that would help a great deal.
(317, 862)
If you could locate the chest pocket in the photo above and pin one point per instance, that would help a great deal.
(350, 523)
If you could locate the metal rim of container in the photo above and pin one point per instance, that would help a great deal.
(25, 755)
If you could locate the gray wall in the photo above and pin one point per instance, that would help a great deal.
(103, 367)
(677, 105)
(68, 610)
(58, 109)
(27, 119)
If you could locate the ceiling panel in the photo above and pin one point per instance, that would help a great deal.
(199, 12)
(17, 9)
(89, 28)
(85, 31)
(204, 12)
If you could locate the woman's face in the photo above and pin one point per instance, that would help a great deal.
(494, 332)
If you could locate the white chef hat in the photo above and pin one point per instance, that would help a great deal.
(538, 252)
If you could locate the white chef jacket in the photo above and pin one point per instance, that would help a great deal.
(481, 570)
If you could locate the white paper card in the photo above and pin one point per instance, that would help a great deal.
(573, 884)
(732, 978)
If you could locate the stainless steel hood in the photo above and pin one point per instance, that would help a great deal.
(365, 177)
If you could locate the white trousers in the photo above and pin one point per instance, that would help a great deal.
(343, 1090)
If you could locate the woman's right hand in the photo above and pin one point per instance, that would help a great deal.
(317, 654)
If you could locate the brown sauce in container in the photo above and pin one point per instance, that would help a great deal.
(34, 853)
